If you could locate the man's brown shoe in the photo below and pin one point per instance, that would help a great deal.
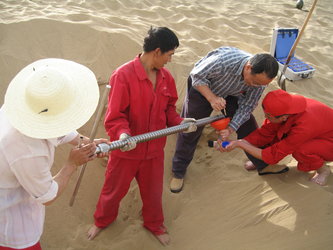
(176, 185)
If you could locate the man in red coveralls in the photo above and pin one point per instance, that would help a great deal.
(294, 125)
(142, 99)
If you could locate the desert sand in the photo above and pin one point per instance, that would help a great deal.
(222, 205)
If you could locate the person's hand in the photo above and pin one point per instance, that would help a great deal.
(99, 141)
(129, 146)
(81, 155)
(192, 126)
(218, 103)
(231, 146)
(224, 133)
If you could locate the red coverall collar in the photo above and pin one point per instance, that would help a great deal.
(140, 71)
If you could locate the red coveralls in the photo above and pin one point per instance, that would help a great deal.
(308, 136)
(136, 108)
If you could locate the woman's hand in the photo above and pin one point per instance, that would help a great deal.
(81, 155)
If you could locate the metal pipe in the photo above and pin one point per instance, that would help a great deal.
(103, 147)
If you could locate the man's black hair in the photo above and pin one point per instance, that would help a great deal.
(160, 37)
(264, 63)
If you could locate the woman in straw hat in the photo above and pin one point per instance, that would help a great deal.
(44, 104)
(294, 125)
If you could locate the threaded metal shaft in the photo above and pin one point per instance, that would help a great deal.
(155, 134)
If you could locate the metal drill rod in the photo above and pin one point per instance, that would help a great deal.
(103, 147)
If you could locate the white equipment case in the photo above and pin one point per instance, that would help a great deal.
(282, 41)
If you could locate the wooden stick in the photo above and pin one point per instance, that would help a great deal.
(92, 137)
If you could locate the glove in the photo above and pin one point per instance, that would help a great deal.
(192, 127)
(129, 146)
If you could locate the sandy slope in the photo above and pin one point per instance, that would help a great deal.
(222, 205)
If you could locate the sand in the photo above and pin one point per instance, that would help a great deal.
(222, 206)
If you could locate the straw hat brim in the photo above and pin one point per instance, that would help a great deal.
(82, 107)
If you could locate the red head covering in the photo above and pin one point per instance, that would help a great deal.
(280, 102)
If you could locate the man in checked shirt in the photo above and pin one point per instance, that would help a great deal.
(226, 78)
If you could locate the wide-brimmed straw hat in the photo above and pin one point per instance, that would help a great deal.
(280, 102)
(51, 97)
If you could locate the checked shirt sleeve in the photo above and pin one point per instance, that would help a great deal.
(246, 105)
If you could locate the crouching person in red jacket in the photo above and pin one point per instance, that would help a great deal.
(294, 125)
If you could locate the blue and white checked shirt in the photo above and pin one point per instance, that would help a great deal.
(221, 70)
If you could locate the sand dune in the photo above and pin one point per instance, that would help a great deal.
(222, 206)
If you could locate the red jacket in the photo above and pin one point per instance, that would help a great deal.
(285, 138)
(136, 108)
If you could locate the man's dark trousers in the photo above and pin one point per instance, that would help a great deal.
(196, 106)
